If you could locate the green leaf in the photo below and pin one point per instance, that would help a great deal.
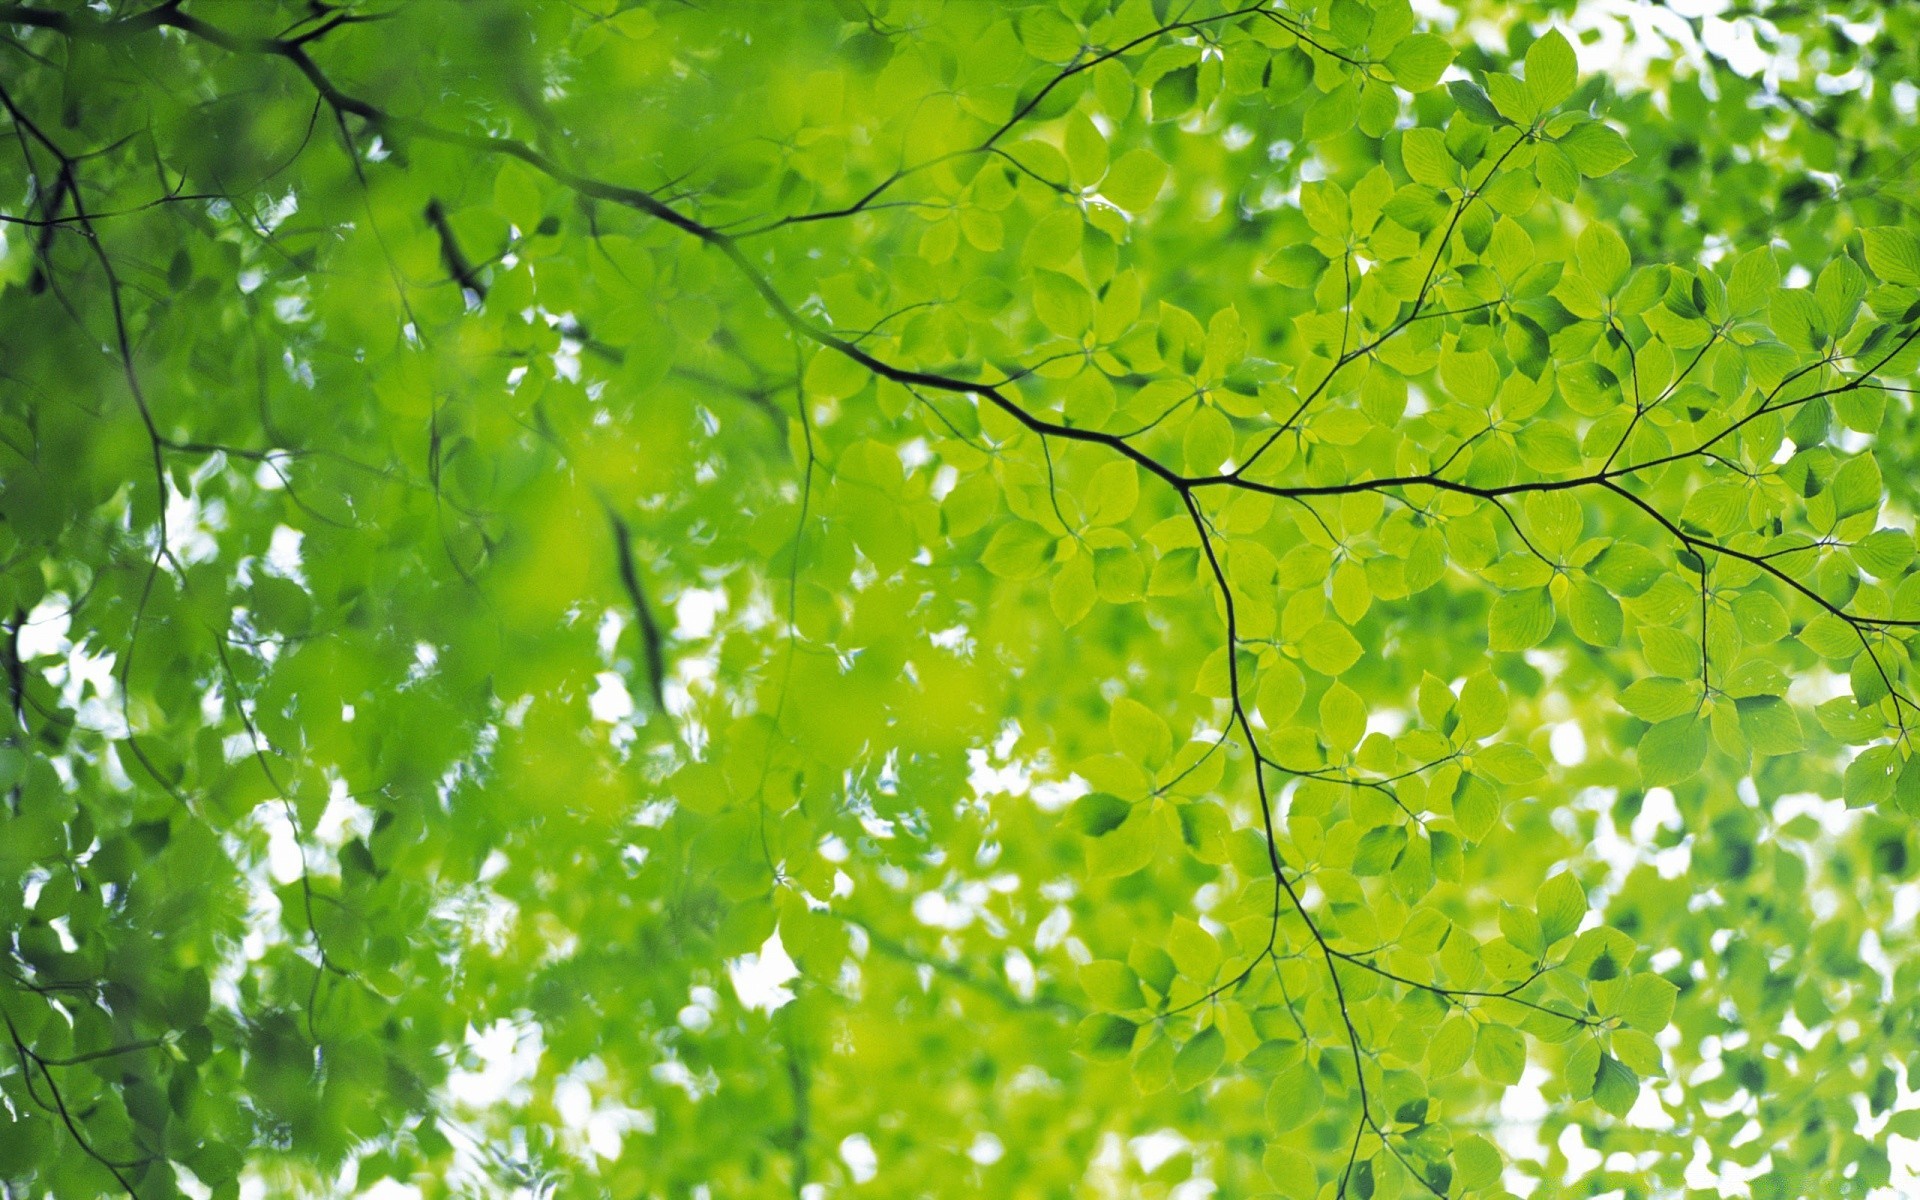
(1591, 389)
(1138, 732)
(1280, 692)
(1561, 903)
(1194, 950)
(1595, 149)
(1512, 99)
(1135, 179)
(834, 376)
(1509, 762)
(1474, 104)
(1884, 553)
(1424, 153)
(1638, 1051)
(1551, 70)
(1417, 62)
(1648, 1003)
(1175, 93)
(1199, 1058)
(1594, 614)
(1893, 254)
(1522, 930)
(1096, 813)
(1760, 617)
(1295, 1095)
(1500, 1053)
(1208, 442)
(1017, 551)
(1770, 725)
(1615, 1087)
(1113, 493)
(1062, 303)
(1329, 648)
(1343, 717)
(1048, 35)
(1451, 1046)
(1291, 1172)
(1086, 151)
(1476, 807)
(1074, 591)
(1655, 699)
(1105, 1038)
(1869, 779)
(1483, 706)
(1520, 620)
(1672, 751)
(1378, 850)
(1476, 1161)
(1154, 966)
(1856, 486)
(1333, 113)
(1112, 985)
(1604, 258)
(1125, 849)
(1556, 520)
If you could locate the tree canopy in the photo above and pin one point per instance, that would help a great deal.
(1082, 598)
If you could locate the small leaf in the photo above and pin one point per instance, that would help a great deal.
(1417, 62)
(1451, 1046)
(1656, 698)
(1175, 92)
(1648, 1003)
(1074, 590)
(1483, 706)
(1520, 620)
(1476, 1162)
(1893, 254)
(1476, 807)
(1096, 813)
(1615, 1087)
(1048, 35)
(1604, 258)
(1062, 303)
(1474, 104)
(1112, 985)
(1869, 779)
(1760, 617)
(1294, 1097)
(1673, 751)
(1500, 1053)
(1126, 849)
(1199, 1058)
(1596, 149)
(1291, 1172)
(1770, 725)
(1423, 151)
(1594, 614)
(1017, 550)
(1195, 951)
(1561, 903)
(1113, 493)
(1135, 180)
(1105, 1038)
(1280, 692)
(1551, 70)
(1138, 732)
(1329, 648)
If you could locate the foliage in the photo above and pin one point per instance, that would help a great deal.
(1254, 592)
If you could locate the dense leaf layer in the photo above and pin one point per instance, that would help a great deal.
(620, 599)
